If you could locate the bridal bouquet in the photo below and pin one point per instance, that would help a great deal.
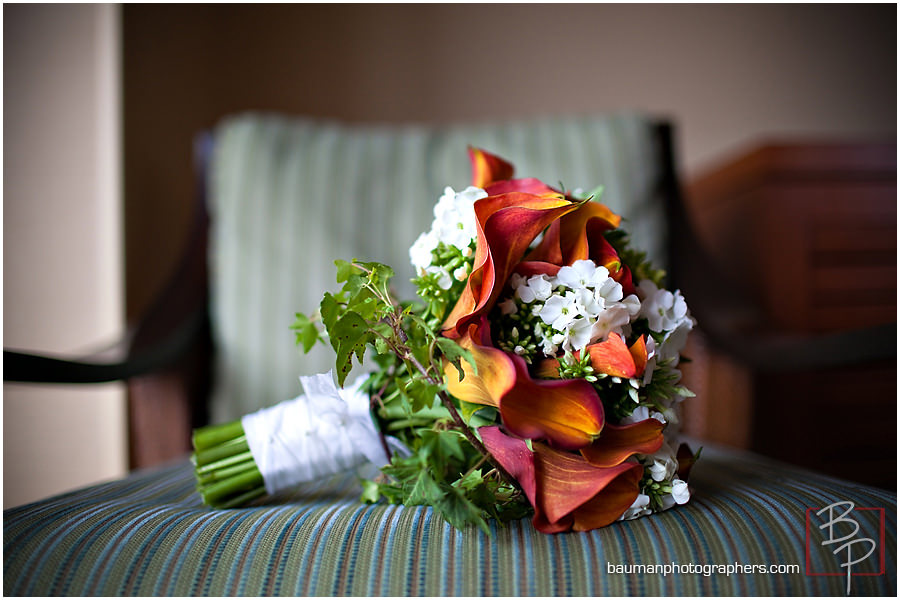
(537, 373)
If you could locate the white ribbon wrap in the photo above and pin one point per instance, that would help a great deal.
(321, 433)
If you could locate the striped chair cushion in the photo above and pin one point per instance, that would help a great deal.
(149, 535)
(288, 196)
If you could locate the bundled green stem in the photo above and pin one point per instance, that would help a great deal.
(227, 475)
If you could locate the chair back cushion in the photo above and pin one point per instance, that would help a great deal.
(288, 196)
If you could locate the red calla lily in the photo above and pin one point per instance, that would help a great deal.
(566, 491)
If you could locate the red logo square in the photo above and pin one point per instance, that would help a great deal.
(818, 540)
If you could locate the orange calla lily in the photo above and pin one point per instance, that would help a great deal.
(569, 240)
(494, 175)
(620, 442)
(547, 368)
(614, 358)
(579, 236)
(529, 185)
(506, 225)
(566, 491)
(496, 374)
(487, 168)
(568, 413)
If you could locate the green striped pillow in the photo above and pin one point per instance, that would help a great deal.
(288, 196)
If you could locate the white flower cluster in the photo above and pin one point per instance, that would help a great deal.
(667, 314)
(578, 306)
(662, 467)
(454, 225)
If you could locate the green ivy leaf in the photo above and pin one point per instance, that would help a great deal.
(345, 270)
(455, 354)
(307, 333)
(420, 393)
(370, 493)
(330, 310)
(425, 490)
(348, 336)
(460, 511)
(468, 409)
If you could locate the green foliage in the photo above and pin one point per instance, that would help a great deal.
(444, 471)
(575, 368)
(655, 490)
(307, 334)
(432, 286)
(448, 467)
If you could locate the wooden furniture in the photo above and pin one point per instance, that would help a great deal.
(808, 233)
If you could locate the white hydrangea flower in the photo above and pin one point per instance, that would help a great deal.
(609, 289)
(420, 251)
(454, 216)
(535, 288)
(664, 464)
(558, 311)
(638, 508)
(642, 413)
(675, 341)
(663, 309)
(454, 224)
(444, 280)
(680, 494)
(680, 491)
(582, 273)
(633, 304)
(579, 334)
(609, 321)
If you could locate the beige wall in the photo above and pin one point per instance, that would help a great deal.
(62, 257)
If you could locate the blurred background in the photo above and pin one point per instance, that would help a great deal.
(101, 103)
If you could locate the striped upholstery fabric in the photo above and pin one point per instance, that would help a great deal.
(288, 196)
(149, 535)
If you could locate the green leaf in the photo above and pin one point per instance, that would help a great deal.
(420, 393)
(348, 336)
(455, 353)
(422, 326)
(307, 333)
(468, 409)
(381, 346)
(425, 490)
(330, 310)
(364, 303)
(472, 480)
(460, 511)
(370, 493)
(344, 270)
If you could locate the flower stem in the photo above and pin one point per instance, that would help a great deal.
(227, 475)
(458, 420)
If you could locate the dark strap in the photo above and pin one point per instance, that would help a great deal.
(34, 368)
